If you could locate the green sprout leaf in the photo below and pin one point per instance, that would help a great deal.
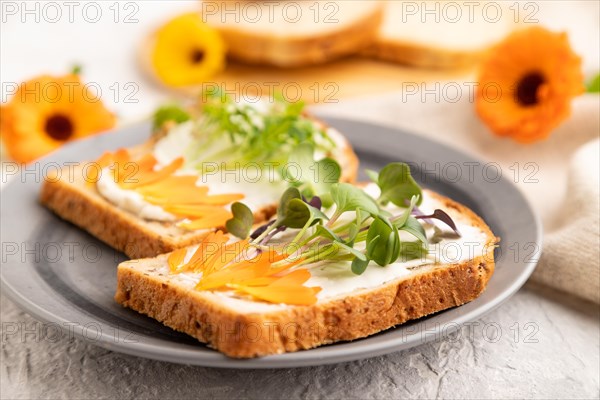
(297, 214)
(399, 223)
(372, 244)
(413, 227)
(357, 254)
(300, 214)
(353, 230)
(242, 220)
(312, 178)
(327, 173)
(169, 113)
(350, 198)
(359, 266)
(397, 185)
(286, 197)
(383, 243)
(299, 162)
(327, 233)
(373, 175)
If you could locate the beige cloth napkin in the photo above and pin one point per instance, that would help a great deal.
(559, 175)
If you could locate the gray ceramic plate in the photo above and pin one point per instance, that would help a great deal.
(66, 278)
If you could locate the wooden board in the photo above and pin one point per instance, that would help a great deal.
(332, 82)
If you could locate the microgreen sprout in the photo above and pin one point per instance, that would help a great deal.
(355, 227)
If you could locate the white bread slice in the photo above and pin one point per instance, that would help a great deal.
(293, 33)
(243, 328)
(454, 34)
(80, 203)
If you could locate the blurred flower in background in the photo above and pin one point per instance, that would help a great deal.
(185, 51)
(46, 112)
(536, 75)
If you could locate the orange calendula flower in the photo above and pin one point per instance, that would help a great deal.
(176, 194)
(47, 112)
(265, 275)
(527, 82)
(186, 51)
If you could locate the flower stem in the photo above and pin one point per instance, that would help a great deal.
(273, 232)
(265, 233)
(333, 219)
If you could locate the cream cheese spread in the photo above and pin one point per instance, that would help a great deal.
(130, 200)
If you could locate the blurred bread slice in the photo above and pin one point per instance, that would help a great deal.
(293, 33)
(454, 33)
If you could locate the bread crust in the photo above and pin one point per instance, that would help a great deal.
(292, 52)
(293, 328)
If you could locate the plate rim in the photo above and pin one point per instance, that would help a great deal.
(287, 360)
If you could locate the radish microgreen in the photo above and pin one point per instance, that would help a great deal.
(371, 235)
(241, 222)
(396, 184)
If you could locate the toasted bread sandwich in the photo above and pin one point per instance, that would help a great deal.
(175, 189)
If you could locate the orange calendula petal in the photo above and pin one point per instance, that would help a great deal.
(167, 190)
(240, 272)
(285, 267)
(224, 256)
(193, 210)
(216, 220)
(178, 197)
(200, 198)
(296, 277)
(262, 281)
(105, 159)
(276, 257)
(294, 295)
(173, 184)
(205, 223)
(146, 163)
(176, 259)
(206, 249)
(121, 156)
(256, 276)
(287, 289)
(222, 199)
(182, 190)
(146, 177)
(108, 158)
